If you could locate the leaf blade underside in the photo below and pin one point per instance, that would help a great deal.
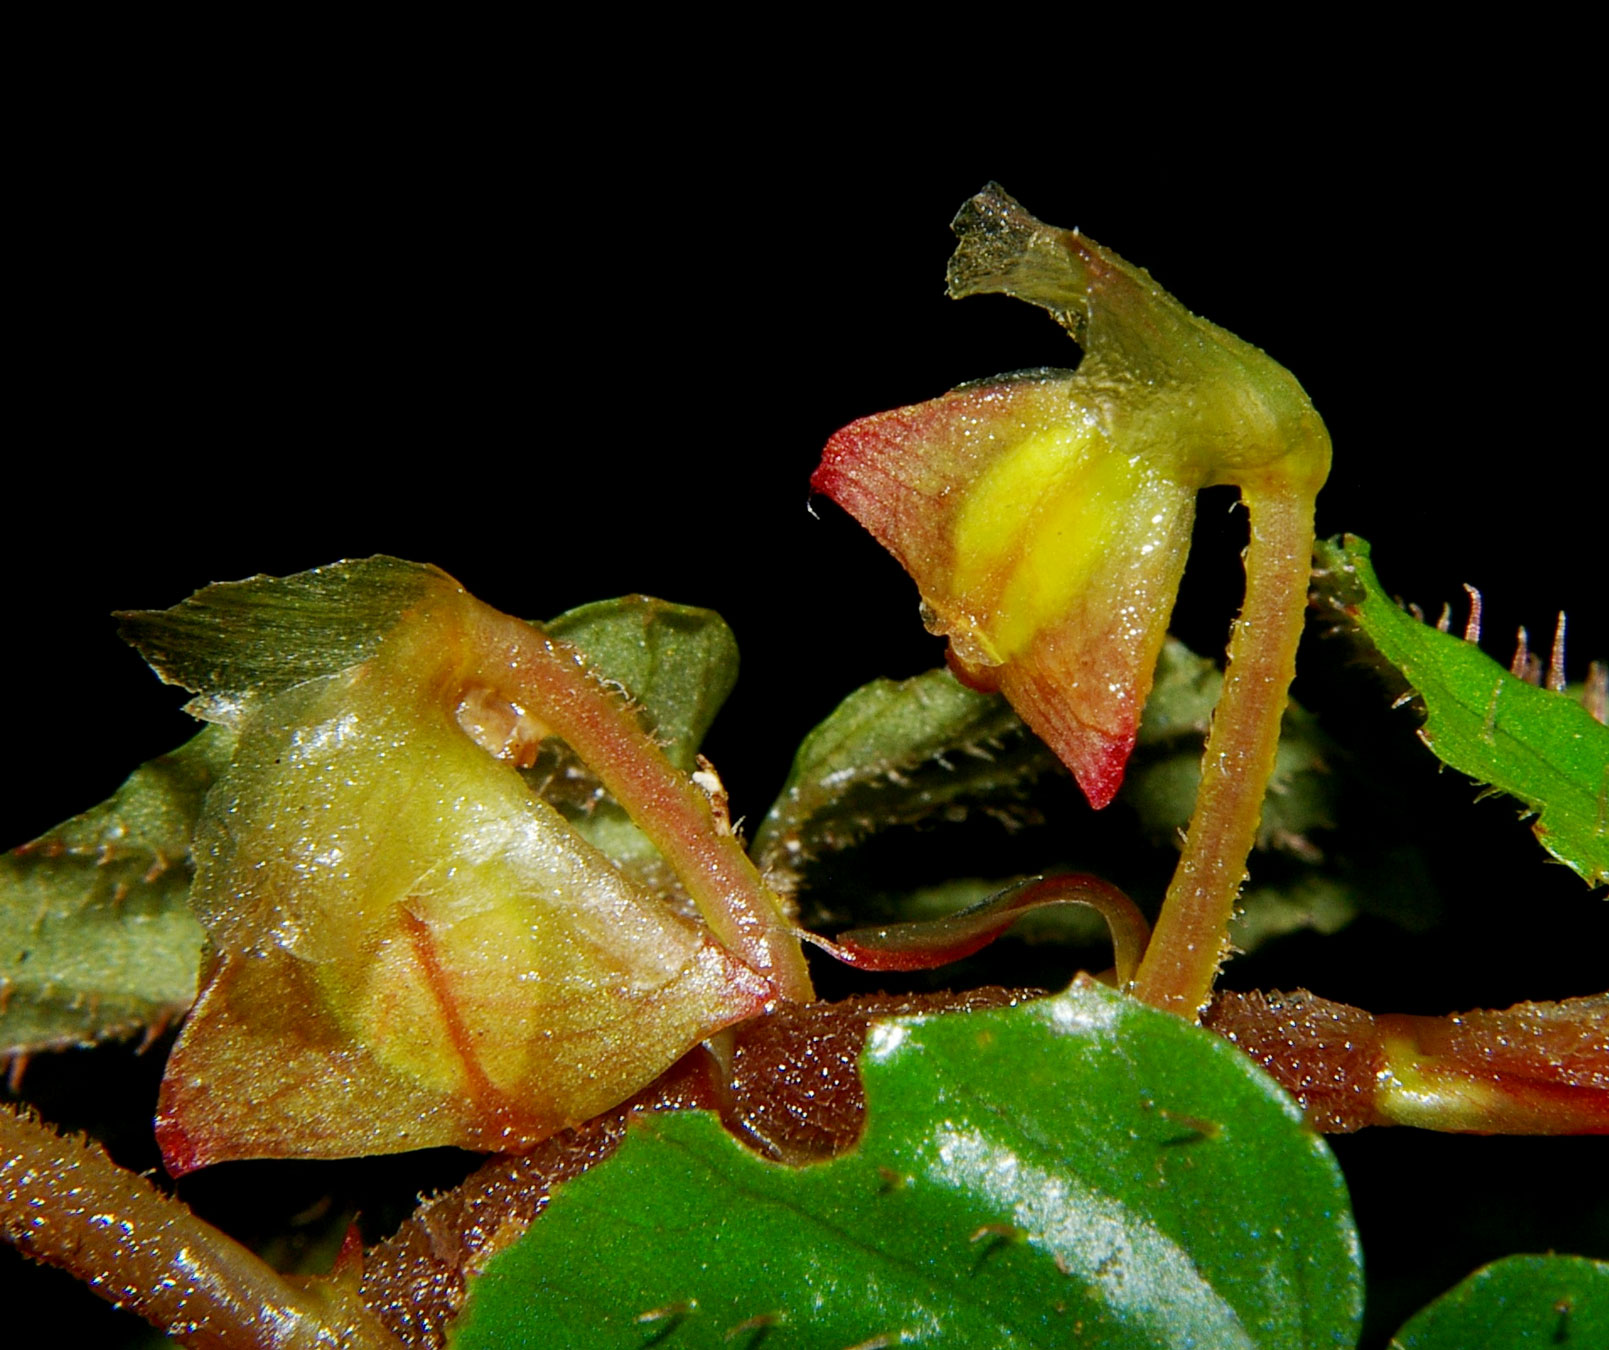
(96, 936)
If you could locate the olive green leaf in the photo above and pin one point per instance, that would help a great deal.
(1079, 1170)
(1542, 1301)
(96, 937)
(896, 752)
(1535, 744)
(1320, 862)
(901, 752)
(678, 664)
(928, 748)
(1167, 768)
(1392, 883)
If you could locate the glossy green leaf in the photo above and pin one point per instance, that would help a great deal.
(96, 937)
(895, 752)
(1520, 1301)
(1082, 1170)
(1535, 744)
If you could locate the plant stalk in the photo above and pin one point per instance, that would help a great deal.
(672, 810)
(1191, 937)
(65, 1203)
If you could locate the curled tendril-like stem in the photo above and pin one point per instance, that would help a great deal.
(937, 942)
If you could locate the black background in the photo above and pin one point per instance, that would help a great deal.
(566, 360)
(568, 370)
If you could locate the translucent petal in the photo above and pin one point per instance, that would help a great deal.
(1047, 554)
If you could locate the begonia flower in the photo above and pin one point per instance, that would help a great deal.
(1045, 517)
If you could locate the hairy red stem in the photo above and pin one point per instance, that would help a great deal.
(1192, 933)
(65, 1203)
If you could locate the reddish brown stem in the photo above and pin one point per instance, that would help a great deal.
(64, 1202)
(1191, 935)
(1537, 1068)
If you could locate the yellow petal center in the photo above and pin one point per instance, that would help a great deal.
(1034, 530)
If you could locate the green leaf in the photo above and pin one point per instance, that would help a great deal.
(1542, 1301)
(1166, 770)
(1535, 744)
(1328, 848)
(1393, 883)
(96, 937)
(1080, 1170)
(678, 664)
(908, 752)
(895, 753)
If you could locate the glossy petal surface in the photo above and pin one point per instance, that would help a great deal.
(1045, 552)
(1045, 516)
(413, 949)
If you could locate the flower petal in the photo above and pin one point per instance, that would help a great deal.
(1048, 555)
(1045, 516)
(413, 949)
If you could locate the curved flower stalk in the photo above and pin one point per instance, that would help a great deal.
(1045, 517)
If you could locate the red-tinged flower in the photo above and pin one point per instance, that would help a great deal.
(1048, 559)
(1045, 516)
(411, 947)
